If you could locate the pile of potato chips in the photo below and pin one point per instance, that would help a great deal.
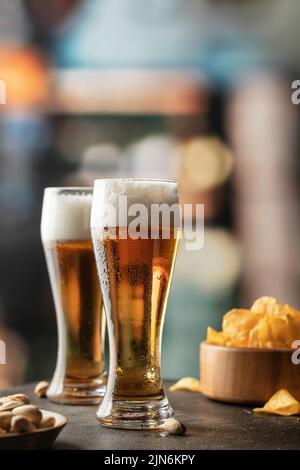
(268, 324)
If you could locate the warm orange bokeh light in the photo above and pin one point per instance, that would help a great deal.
(24, 73)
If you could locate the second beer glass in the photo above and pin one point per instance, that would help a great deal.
(79, 375)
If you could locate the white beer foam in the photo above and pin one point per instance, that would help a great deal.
(146, 192)
(66, 216)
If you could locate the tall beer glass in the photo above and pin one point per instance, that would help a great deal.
(65, 229)
(135, 271)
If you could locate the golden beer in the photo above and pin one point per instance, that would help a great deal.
(135, 275)
(73, 269)
(79, 375)
(137, 280)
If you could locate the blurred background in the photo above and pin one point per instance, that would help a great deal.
(196, 90)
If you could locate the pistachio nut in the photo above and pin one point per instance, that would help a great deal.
(41, 388)
(47, 422)
(31, 412)
(21, 424)
(173, 426)
(10, 405)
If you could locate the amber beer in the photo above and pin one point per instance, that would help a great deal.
(135, 277)
(72, 266)
(79, 375)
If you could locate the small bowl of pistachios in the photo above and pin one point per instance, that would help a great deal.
(25, 426)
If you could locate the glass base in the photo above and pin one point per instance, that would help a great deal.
(71, 392)
(135, 414)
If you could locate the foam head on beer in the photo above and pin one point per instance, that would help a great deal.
(66, 214)
(119, 202)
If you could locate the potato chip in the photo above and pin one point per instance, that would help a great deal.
(282, 332)
(288, 311)
(215, 337)
(253, 341)
(189, 384)
(237, 325)
(292, 317)
(271, 332)
(233, 344)
(265, 305)
(271, 306)
(295, 326)
(264, 333)
(282, 403)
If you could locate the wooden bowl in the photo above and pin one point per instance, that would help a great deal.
(247, 375)
(39, 439)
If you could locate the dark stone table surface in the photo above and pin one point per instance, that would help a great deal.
(210, 425)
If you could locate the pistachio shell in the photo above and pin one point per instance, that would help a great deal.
(30, 412)
(19, 396)
(5, 419)
(47, 422)
(41, 388)
(21, 424)
(10, 405)
(173, 426)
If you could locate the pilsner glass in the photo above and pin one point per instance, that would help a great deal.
(135, 275)
(79, 376)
